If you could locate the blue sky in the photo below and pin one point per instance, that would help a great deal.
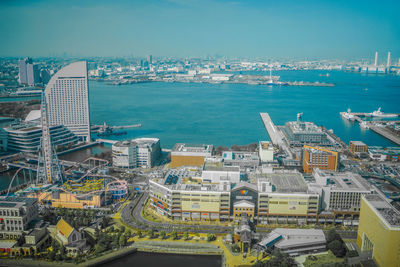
(185, 28)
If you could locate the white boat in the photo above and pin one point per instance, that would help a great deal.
(347, 115)
(364, 125)
(379, 113)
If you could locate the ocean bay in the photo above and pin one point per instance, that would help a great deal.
(228, 114)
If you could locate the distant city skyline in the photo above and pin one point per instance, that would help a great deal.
(186, 28)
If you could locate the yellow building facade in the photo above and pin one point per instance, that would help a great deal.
(68, 200)
(379, 230)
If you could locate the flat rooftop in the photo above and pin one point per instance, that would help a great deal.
(319, 150)
(127, 143)
(385, 210)
(218, 166)
(345, 180)
(193, 148)
(15, 202)
(357, 143)
(385, 151)
(240, 155)
(304, 127)
(286, 182)
(266, 145)
(187, 180)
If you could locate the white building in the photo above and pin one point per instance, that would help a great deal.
(148, 151)
(67, 99)
(140, 152)
(16, 214)
(215, 172)
(341, 191)
(266, 151)
(221, 77)
(295, 241)
(247, 161)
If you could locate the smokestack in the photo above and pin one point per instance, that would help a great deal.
(376, 58)
(388, 60)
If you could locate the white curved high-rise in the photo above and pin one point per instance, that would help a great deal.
(67, 99)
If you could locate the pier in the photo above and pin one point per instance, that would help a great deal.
(275, 134)
(386, 133)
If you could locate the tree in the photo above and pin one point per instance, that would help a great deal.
(236, 248)
(122, 229)
(128, 232)
(58, 257)
(51, 256)
(186, 235)
(174, 235)
(62, 251)
(332, 235)
(115, 241)
(122, 241)
(139, 233)
(337, 247)
(150, 233)
(162, 234)
(210, 237)
(98, 248)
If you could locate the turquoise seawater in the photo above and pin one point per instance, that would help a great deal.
(228, 114)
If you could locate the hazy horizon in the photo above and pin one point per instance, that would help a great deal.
(186, 28)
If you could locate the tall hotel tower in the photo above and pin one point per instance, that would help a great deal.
(67, 99)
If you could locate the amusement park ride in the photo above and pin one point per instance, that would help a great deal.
(50, 175)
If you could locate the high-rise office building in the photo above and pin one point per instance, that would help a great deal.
(28, 72)
(150, 59)
(67, 99)
(23, 79)
(33, 74)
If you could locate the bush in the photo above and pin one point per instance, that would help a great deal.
(186, 235)
(336, 244)
(352, 253)
(150, 233)
(162, 234)
(235, 248)
(338, 248)
(174, 235)
(210, 237)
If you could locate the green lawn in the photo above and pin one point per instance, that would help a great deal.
(322, 259)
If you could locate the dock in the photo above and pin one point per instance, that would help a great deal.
(386, 133)
(275, 134)
(378, 126)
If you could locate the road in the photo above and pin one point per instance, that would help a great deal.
(135, 208)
